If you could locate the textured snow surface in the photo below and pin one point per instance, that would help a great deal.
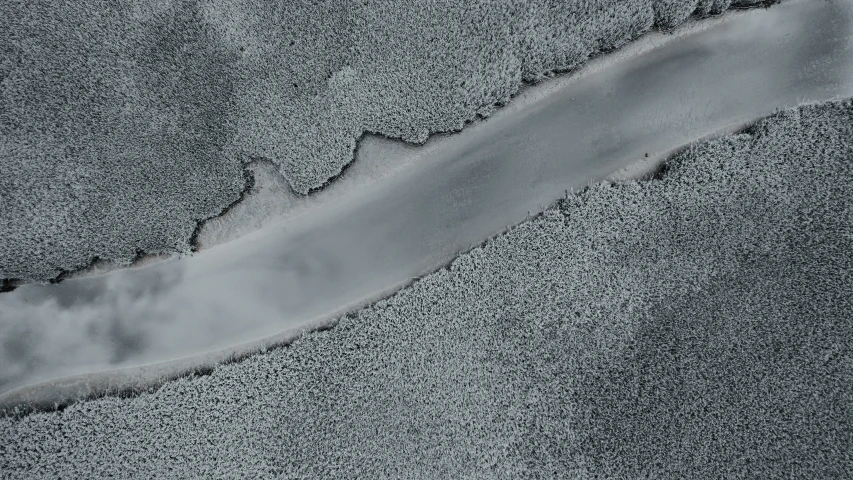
(123, 124)
(697, 326)
(401, 212)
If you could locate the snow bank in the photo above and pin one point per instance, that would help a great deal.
(125, 124)
(697, 326)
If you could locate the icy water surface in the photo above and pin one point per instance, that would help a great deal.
(370, 241)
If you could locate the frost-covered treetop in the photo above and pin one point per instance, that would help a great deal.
(123, 124)
(696, 326)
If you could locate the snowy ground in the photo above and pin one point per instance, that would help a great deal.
(362, 242)
(124, 124)
(694, 326)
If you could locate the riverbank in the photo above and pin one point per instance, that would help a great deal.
(693, 326)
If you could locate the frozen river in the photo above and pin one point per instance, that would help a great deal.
(358, 240)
